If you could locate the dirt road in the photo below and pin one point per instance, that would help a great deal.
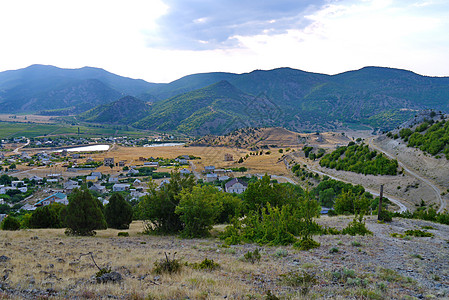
(370, 142)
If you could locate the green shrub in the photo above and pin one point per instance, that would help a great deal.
(385, 216)
(103, 271)
(418, 233)
(252, 257)
(356, 243)
(167, 265)
(356, 227)
(206, 264)
(306, 244)
(10, 223)
(333, 250)
(304, 280)
(123, 233)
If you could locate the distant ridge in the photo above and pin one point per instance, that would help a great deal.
(219, 102)
(126, 110)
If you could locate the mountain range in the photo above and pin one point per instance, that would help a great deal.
(220, 102)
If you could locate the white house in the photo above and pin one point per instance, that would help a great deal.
(236, 186)
(120, 187)
(113, 179)
(211, 177)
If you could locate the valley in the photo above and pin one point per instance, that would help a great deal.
(272, 188)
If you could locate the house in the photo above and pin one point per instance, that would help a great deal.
(25, 156)
(220, 171)
(108, 161)
(120, 187)
(132, 172)
(184, 172)
(55, 198)
(113, 179)
(17, 184)
(209, 169)
(228, 157)
(97, 188)
(236, 185)
(98, 174)
(182, 161)
(153, 164)
(28, 207)
(137, 182)
(75, 155)
(121, 163)
(89, 160)
(91, 178)
(70, 185)
(223, 178)
(64, 152)
(36, 178)
(211, 177)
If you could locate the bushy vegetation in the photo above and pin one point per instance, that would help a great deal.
(10, 223)
(47, 216)
(84, 213)
(431, 137)
(198, 210)
(359, 159)
(118, 212)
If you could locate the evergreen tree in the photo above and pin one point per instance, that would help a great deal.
(46, 216)
(118, 212)
(83, 214)
(10, 223)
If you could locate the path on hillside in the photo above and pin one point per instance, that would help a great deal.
(402, 207)
(412, 173)
(16, 151)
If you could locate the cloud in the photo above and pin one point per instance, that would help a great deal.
(206, 24)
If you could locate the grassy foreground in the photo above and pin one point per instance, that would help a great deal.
(45, 263)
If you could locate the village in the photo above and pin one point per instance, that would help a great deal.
(35, 177)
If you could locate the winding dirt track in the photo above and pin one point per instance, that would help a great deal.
(371, 144)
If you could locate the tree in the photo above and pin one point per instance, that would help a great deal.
(118, 212)
(308, 209)
(261, 192)
(10, 223)
(158, 207)
(46, 216)
(83, 214)
(198, 210)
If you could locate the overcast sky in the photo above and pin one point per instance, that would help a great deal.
(163, 40)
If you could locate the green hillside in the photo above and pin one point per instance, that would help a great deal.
(359, 159)
(126, 110)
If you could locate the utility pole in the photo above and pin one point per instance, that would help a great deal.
(380, 202)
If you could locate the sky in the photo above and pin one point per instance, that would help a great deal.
(163, 40)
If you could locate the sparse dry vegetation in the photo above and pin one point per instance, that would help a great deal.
(45, 262)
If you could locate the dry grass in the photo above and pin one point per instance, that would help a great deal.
(47, 259)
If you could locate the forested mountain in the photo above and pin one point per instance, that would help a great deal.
(40, 87)
(126, 110)
(221, 102)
